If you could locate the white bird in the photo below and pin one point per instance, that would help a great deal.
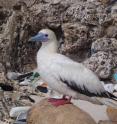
(67, 76)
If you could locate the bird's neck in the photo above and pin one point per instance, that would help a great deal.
(50, 47)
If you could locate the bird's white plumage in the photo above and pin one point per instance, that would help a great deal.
(60, 66)
(53, 67)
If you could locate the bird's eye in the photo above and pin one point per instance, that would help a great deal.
(46, 35)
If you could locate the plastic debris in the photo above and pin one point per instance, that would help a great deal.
(36, 74)
(115, 88)
(22, 116)
(24, 76)
(13, 75)
(17, 110)
(6, 87)
(42, 89)
(25, 82)
(36, 82)
(115, 76)
(19, 122)
(27, 97)
(109, 87)
(21, 119)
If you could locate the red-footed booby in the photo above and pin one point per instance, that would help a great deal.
(67, 76)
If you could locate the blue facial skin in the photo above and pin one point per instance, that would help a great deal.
(40, 37)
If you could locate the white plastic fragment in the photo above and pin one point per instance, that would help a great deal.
(25, 82)
(12, 75)
(17, 110)
(22, 116)
(109, 87)
(115, 87)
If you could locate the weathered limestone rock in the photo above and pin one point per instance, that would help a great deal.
(14, 46)
(104, 44)
(90, 14)
(75, 37)
(95, 32)
(100, 63)
(111, 32)
(2, 73)
(103, 57)
(114, 13)
(45, 113)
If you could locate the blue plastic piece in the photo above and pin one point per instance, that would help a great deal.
(115, 76)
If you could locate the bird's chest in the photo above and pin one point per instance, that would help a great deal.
(44, 63)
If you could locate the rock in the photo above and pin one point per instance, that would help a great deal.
(112, 114)
(90, 14)
(76, 41)
(112, 32)
(104, 1)
(83, 21)
(104, 44)
(2, 73)
(2, 68)
(96, 32)
(75, 37)
(74, 12)
(100, 63)
(45, 113)
(2, 77)
(107, 122)
(114, 12)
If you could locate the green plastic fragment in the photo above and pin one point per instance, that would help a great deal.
(36, 74)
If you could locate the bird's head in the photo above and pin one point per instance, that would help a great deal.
(44, 35)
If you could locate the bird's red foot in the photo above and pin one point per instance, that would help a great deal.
(58, 102)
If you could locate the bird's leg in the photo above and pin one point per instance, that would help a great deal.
(55, 99)
(58, 102)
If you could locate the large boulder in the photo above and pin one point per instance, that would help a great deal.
(45, 113)
(112, 114)
(100, 63)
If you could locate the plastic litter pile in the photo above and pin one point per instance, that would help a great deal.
(22, 94)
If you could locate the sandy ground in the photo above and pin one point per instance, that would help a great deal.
(97, 112)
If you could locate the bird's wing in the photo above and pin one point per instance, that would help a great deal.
(76, 76)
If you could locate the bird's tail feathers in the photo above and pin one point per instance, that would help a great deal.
(108, 102)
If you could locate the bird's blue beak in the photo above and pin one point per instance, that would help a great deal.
(39, 37)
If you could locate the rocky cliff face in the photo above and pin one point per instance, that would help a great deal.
(89, 26)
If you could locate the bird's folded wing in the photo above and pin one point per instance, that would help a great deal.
(76, 76)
